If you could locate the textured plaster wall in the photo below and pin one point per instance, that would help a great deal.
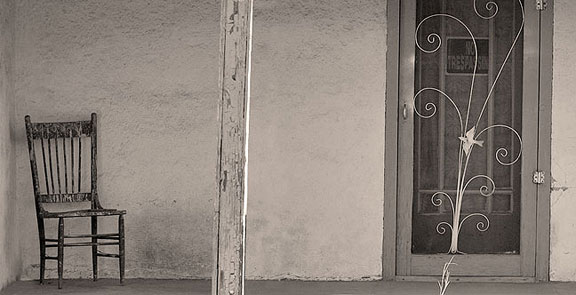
(316, 159)
(9, 250)
(150, 70)
(563, 223)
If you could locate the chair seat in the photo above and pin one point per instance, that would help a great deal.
(83, 213)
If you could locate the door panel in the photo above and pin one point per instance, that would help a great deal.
(450, 69)
(467, 144)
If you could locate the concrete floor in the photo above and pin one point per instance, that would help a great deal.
(144, 287)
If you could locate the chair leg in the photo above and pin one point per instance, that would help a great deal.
(60, 251)
(94, 249)
(121, 252)
(42, 260)
(42, 239)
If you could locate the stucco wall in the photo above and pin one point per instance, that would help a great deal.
(316, 159)
(563, 203)
(316, 152)
(150, 70)
(9, 250)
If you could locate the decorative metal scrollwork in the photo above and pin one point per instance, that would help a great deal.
(468, 137)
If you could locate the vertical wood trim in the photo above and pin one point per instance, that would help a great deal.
(442, 70)
(545, 142)
(229, 225)
(405, 137)
(391, 141)
(530, 142)
(490, 110)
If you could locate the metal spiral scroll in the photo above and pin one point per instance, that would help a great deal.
(469, 139)
(489, 6)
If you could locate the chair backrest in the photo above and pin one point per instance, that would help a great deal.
(60, 147)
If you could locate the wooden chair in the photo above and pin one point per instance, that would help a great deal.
(60, 181)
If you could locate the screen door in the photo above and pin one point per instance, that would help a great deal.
(467, 140)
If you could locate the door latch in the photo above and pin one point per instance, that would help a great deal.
(538, 177)
(541, 5)
(404, 112)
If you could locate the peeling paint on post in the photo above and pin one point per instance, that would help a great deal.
(229, 219)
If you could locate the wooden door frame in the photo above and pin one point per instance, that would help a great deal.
(393, 68)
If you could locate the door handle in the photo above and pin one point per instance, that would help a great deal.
(405, 112)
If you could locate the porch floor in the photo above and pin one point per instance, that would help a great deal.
(191, 287)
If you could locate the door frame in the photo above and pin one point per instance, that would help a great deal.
(393, 68)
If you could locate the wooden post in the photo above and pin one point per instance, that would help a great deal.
(229, 221)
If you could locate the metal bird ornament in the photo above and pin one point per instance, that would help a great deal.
(469, 140)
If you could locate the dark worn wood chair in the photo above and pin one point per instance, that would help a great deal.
(59, 146)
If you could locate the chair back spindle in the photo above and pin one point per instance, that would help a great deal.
(61, 146)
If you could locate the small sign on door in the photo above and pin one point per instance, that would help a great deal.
(461, 56)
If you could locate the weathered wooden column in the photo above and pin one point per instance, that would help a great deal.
(229, 223)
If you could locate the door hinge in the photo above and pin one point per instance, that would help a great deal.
(538, 177)
(541, 5)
